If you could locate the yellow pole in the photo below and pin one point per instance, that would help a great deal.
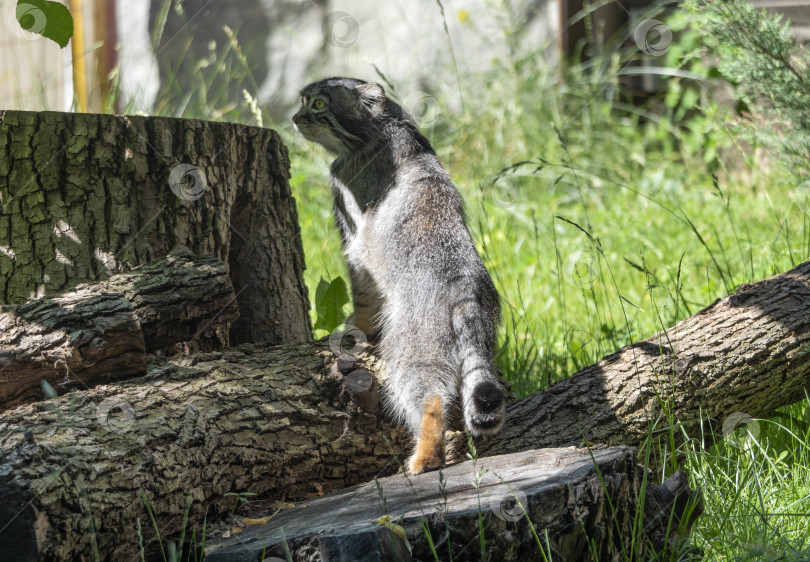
(101, 60)
(77, 53)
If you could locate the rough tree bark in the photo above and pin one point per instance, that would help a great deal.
(86, 196)
(275, 421)
(278, 421)
(101, 332)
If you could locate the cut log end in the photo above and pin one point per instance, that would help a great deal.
(578, 501)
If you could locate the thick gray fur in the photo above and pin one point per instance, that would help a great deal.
(416, 277)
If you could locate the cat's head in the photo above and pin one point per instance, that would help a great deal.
(343, 114)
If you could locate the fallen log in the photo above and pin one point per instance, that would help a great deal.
(276, 421)
(571, 504)
(101, 332)
(736, 360)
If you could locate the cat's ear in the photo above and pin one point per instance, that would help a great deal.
(373, 97)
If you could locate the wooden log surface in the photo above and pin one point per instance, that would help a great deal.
(101, 332)
(179, 297)
(579, 503)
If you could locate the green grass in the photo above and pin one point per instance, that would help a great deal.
(757, 492)
(601, 222)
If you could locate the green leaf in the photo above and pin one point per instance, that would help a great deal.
(330, 298)
(49, 19)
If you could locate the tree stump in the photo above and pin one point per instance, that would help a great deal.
(570, 504)
(83, 197)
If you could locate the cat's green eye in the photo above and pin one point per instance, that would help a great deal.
(318, 104)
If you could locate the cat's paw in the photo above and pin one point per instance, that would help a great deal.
(418, 464)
